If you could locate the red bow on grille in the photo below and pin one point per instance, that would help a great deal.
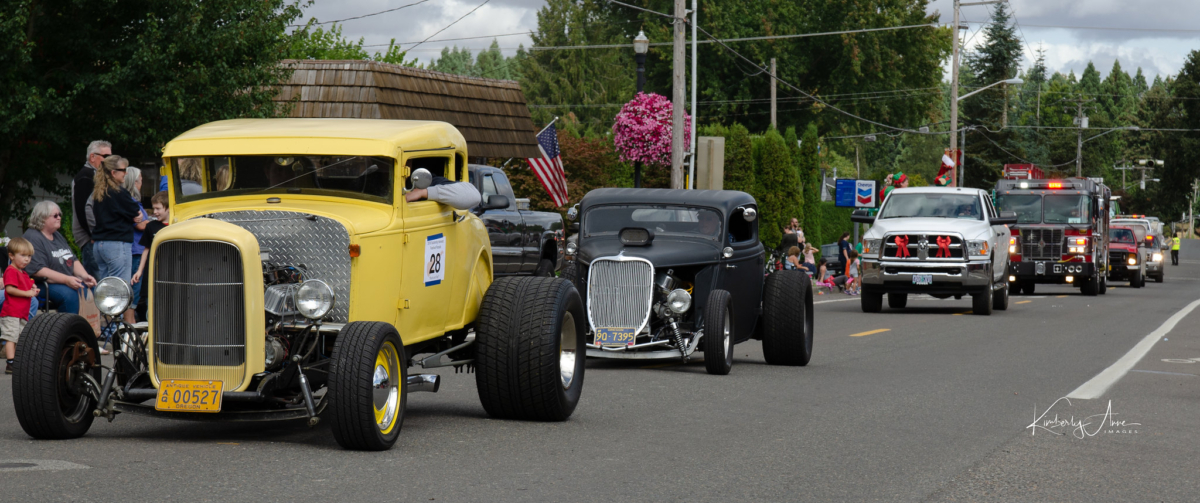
(902, 247)
(943, 246)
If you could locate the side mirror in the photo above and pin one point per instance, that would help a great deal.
(749, 214)
(421, 178)
(574, 227)
(862, 217)
(573, 213)
(495, 202)
(1005, 218)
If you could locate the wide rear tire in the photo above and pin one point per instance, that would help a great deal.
(787, 332)
(718, 333)
(897, 300)
(529, 342)
(48, 406)
(368, 386)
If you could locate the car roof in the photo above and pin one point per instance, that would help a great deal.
(937, 190)
(381, 137)
(724, 200)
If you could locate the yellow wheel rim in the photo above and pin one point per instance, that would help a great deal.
(385, 388)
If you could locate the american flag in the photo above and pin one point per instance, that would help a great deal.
(549, 167)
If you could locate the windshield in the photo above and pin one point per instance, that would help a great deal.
(358, 177)
(965, 206)
(1027, 206)
(662, 220)
(1121, 236)
(1063, 209)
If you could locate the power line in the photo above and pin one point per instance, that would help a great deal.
(1113, 28)
(451, 24)
(362, 16)
(454, 39)
(742, 39)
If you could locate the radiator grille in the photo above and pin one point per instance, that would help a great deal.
(199, 312)
(1041, 244)
(929, 252)
(619, 293)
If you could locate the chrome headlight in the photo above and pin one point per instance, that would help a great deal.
(679, 301)
(727, 252)
(977, 247)
(1132, 259)
(1157, 257)
(572, 248)
(872, 246)
(314, 299)
(113, 295)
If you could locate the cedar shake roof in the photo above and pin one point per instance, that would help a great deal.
(490, 114)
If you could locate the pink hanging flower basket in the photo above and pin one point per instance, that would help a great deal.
(642, 131)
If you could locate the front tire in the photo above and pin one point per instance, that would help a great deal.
(367, 386)
(51, 396)
(545, 268)
(718, 332)
(981, 303)
(1090, 287)
(529, 342)
(897, 300)
(1136, 279)
(1158, 279)
(787, 319)
(1103, 284)
(1000, 299)
(872, 302)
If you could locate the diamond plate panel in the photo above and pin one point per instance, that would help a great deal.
(320, 244)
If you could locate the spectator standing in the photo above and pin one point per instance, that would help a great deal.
(81, 187)
(159, 204)
(116, 213)
(844, 250)
(1175, 249)
(19, 292)
(852, 283)
(53, 260)
(133, 184)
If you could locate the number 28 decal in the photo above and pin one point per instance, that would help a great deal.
(435, 259)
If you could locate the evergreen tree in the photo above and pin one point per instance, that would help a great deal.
(456, 61)
(775, 182)
(810, 177)
(996, 60)
(793, 144)
(314, 42)
(739, 164)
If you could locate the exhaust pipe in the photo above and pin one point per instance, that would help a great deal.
(424, 382)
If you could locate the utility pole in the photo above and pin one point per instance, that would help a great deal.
(1191, 215)
(961, 162)
(678, 93)
(774, 124)
(1082, 122)
(954, 84)
(691, 183)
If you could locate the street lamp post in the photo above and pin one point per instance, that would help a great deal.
(641, 44)
(954, 83)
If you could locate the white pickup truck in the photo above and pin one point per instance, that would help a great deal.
(940, 241)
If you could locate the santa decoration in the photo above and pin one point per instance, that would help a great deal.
(946, 174)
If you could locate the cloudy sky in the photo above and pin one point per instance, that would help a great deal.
(1145, 42)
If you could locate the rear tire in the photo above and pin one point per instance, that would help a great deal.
(981, 303)
(1136, 279)
(569, 272)
(368, 386)
(1158, 279)
(897, 300)
(787, 319)
(529, 341)
(718, 332)
(872, 302)
(1103, 284)
(1000, 298)
(47, 406)
(545, 268)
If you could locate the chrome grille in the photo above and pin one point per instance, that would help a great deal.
(1041, 244)
(199, 310)
(619, 292)
(917, 251)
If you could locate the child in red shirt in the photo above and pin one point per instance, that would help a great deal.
(18, 292)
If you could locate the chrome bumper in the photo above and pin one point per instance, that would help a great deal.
(975, 273)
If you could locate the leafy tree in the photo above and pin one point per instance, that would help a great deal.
(136, 74)
(793, 145)
(776, 187)
(314, 42)
(489, 64)
(454, 60)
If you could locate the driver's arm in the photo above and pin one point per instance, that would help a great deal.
(459, 195)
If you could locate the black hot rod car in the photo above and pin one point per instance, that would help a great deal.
(666, 273)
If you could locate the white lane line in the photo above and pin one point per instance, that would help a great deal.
(1096, 387)
(834, 300)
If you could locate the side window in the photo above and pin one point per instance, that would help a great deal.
(991, 211)
(436, 165)
(740, 230)
(489, 187)
(503, 187)
(460, 166)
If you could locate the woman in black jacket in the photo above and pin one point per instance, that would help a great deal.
(116, 212)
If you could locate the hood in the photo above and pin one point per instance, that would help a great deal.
(662, 252)
(358, 217)
(1127, 247)
(970, 229)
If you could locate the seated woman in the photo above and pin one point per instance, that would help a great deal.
(53, 259)
(793, 259)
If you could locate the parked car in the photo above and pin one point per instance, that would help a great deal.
(1150, 245)
(523, 241)
(940, 241)
(1126, 254)
(667, 273)
(299, 280)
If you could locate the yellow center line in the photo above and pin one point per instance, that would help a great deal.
(869, 332)
(1025, 302)
(1062, 296)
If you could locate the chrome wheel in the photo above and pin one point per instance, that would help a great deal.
(727, 335)
(567, 350)
(385, 387)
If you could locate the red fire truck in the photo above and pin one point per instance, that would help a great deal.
(1061, 234)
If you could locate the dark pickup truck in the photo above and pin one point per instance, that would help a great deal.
(523, 241)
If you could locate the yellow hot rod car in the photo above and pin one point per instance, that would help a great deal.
(296, 282)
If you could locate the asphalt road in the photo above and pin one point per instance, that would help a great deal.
(931, 404)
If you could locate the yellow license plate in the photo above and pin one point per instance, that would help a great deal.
(189, 396)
